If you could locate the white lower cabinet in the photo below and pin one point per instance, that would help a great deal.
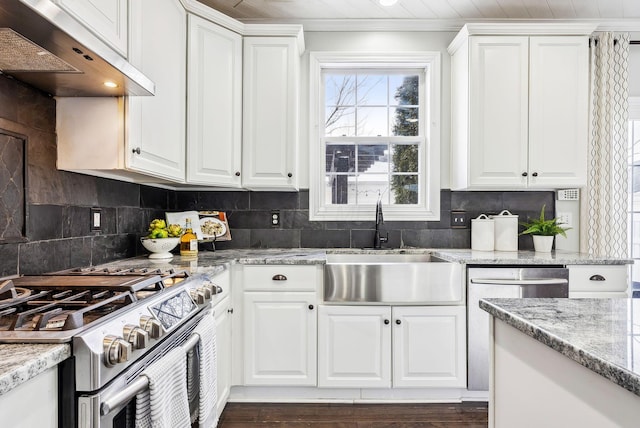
(429, 346)
(384, 346)
(354, 345)
(222, 316)
(280, 338)
(599, 281)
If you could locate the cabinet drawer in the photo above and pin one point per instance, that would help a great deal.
(596, 278)
(280, 278)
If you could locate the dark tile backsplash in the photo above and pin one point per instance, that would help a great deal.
(54, 223)
(251, 219)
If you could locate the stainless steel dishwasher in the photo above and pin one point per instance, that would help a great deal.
(508, 282)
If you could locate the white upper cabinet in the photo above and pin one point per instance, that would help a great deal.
(140, 139)
(156, 135)
(214, 119)
(270, 115)
(558, 111)
(519, 107)
(106, 18)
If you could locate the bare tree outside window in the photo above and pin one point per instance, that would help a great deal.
(370, 108)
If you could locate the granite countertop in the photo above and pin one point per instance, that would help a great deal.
(19, 363)
(470, 257)
(600, 334)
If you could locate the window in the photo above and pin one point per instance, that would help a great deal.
(634, 187)
(375, 135)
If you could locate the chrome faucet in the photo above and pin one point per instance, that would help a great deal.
(377, 239)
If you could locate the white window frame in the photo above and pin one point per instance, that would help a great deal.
(428, 208)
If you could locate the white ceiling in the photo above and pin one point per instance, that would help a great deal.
(451, 10)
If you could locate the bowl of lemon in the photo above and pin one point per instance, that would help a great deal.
(161, 239)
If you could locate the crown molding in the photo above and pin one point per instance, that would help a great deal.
(242, 28)
(444, 25)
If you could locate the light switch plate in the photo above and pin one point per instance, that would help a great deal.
(96, 219)
(458, 219)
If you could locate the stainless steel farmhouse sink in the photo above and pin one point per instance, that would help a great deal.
(392, 278)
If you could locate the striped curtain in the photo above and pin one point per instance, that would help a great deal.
(603, 229)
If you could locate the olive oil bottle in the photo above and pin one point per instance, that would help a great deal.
(188, 241)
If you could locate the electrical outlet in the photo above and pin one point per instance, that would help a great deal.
(564, 218)
(96, 219)
(459, 219)
(275, 218)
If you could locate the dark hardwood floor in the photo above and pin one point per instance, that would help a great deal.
(463, 415)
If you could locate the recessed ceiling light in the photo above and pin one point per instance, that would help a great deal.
(110, 84)
(388, 2)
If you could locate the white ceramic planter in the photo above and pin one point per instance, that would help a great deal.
(542, 244)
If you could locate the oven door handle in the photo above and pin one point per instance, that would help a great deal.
(138, 385)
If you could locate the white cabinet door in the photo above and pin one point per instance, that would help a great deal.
(429, 346)
(354, 344)
(498, 111)
(156, 125)
(223, 351)
(270, 117)
(519, 112)
(558, 111)
(106, 18)
(280, 338)
(214, 120)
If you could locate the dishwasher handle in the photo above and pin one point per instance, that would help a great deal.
(539, 281)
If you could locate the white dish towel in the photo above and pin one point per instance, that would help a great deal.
(207, 382)
(164, 404)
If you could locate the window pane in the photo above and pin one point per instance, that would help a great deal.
(340, 158)
(635, 238)
(372, 121)
(404, 158)
(373, 158)
(340, 189)
(339, 89)
(404, 90)
(404, 189)
(404, 121)
(372, 185)
(340, 121)
(372, 89)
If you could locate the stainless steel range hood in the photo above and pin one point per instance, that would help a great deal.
(43, 46)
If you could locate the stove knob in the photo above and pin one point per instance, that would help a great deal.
(197, 296)
(116, 350)
(151, 325)
(214, 289)
(136, 336)
(206, 291)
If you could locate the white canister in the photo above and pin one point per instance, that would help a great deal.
(506, 231)
(482, 233)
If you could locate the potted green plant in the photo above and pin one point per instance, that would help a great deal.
(543, 231)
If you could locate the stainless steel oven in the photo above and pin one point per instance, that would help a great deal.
(114, 405)
(117, 322)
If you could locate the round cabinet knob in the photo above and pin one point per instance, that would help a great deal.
(237, 173)
(137, 337)
(311, 307)
(116, 350)
(151, 325)
(136, 150)
(289, 175)
(535, 174)
(398, 322)
(386, 321)
(230, 310)
(198, 296)
(524, 174)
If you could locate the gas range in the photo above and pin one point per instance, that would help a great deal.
(113, 318)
